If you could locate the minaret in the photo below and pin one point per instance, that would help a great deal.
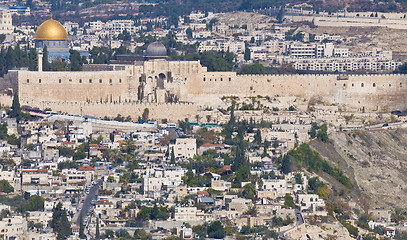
(40, 55)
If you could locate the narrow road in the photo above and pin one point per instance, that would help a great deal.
(88, 201)
(298, 217)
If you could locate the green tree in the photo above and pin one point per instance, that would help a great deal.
(247, 54)
(32, 59)
(65, 151)
(216, 230)
(60, 223)
(35, 203)
(15, 107)
(154, 212)
(108, 234)
(322, 133)
(257, 137)
(172, 156)
(189, 33)
(145, 114)
(289, 201)
(256, 68)
(97, 235)
(76, 60)
(5, 186)
(249, 191)
(3, 131)
(81, 228)
(286, 165)
(46, 66)
(280, 15)
(122, 233)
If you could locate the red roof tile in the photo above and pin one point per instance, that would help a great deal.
(86, 168)
(227, 167)
(204, 193)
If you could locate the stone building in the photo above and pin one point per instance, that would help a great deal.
(175, 89)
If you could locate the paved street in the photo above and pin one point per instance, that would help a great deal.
(88, 201)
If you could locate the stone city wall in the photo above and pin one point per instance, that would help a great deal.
(74, 86)
(157, 111)
(6, 100)
(334, 21)
(191, 83)
(357, 92)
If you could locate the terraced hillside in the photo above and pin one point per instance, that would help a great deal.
(375, 160)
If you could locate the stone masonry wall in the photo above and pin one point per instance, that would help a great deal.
(170, 111)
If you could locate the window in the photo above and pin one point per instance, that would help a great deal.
(362, 84)
(120, 80)
(110, 81)
(39, 80)
(230, 79)
(221, 79)
(389, 84)
(344, 85)
(353, 84)
(374, 84)
(100, 80)
(204, 79)
(80, 80)
(90, 80)
(70, 80)
(60, 80)
(28, 80)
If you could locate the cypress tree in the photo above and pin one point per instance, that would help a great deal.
(81, 229)
(60, 223)
(172, 156)
(15, 108)
(97, 229)
(257, 137)
(46, 66)
(247, 54)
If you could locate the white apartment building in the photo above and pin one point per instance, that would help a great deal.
(197, 26)
(82, 175)
(278, 185)
(309, 202)
(155, 179)
(6, 25)
(301, 50)
(195, 16)
(201, 33)
(95, 26)
(36, 176)
(343, 64)
(184, 148)
(118, 26)
(13, 228)
(185, 214)
(220, 185)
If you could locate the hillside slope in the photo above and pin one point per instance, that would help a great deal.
(375, 160)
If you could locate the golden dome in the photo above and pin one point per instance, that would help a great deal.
(51, 30)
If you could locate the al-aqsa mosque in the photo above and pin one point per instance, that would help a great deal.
(52, 34)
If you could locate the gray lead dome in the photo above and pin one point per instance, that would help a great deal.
(156, 49)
